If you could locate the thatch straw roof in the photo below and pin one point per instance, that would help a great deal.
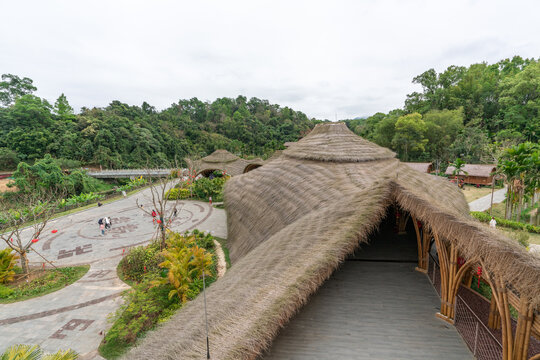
(225, 161)
(294, 220)
(479, 170)
(419, 166)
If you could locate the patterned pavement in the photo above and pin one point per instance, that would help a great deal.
(76, 316)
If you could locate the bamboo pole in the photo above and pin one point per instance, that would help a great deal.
(425, 248)
(452, 275)
(527, 340)
(523, 330)
(443, 259)
(418, 243)
(494, 319)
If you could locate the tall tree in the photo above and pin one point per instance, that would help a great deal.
(63, 109)
(13, 87)
(409, 135)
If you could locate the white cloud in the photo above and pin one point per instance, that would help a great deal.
(350, 57)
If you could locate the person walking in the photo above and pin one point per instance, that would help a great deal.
(107, 222)
(102, 229)
(154, 214)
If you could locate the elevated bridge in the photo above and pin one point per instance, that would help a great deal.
(129, 173)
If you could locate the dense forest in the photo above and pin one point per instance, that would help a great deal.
(121, 135)
(470, 112)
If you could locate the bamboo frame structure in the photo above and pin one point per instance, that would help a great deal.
(422, 240)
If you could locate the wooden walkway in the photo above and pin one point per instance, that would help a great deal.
(372, 309)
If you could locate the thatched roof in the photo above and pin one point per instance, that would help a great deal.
(419, 166)
(294, 220)
(479, 170)
(225, 161)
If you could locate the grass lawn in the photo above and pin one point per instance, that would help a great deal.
(472, 192)
(533, 237)
(41, 283)
(223, 243)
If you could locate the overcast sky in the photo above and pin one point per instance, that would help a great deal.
(353, 58)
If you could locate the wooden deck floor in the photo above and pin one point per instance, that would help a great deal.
(372, 309)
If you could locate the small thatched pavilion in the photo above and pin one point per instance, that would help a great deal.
(225, 161)
(295, 219)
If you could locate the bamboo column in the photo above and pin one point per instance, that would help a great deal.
(426, 238)
(500, 294)
(523, 330)
(494, 320)
(420, 245)
(448, 265)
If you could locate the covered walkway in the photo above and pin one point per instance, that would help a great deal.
(375, 306)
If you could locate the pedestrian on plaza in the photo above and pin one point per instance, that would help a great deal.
(493, 223)
(175, 212)
(102, 229)
(154, 214)
(107, 222)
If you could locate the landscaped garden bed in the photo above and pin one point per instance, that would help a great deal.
(162, 281)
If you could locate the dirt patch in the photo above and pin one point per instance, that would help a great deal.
(4, 187)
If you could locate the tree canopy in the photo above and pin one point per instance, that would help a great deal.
(473, 113)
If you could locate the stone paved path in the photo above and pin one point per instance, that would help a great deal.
(76, 316)
(484, 202)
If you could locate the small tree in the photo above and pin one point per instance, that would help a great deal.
(458, 168)
(34, 213)
(166, 208)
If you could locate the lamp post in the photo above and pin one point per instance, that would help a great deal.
(206, 317)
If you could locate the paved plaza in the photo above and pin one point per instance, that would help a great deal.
(76, 316)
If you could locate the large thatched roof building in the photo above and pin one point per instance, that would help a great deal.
(225, 161)
(292, 221)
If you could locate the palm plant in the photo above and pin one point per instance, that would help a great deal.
(28, 352)
(458, 168)
(8, 259)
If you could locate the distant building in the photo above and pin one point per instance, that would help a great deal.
(222, 160)
(475, 174)
(422, 167)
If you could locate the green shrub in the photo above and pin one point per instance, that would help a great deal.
(132, 184)
(522, 238)
(8, 260)
(201, 239)
(484, 217)
(178, 193)
(204, 188)
(141, 311)
(5, 292)
(79, 199)
(139, 261)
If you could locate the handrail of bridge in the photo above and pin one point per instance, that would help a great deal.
(130, 172)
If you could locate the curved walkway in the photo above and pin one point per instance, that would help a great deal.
(76, 316)
(484, 202)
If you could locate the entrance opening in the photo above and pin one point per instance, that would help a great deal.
(375, 305)
(251, 167)
(208, 172)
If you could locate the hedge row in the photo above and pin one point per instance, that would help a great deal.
(482, 216)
